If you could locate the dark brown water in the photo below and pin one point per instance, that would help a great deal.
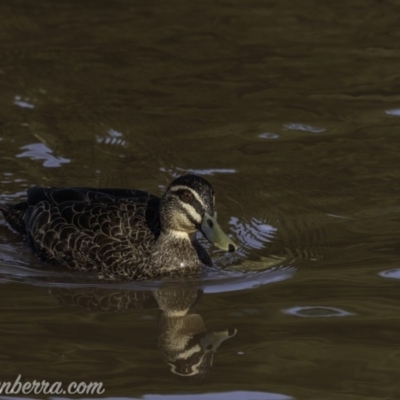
(292, 111)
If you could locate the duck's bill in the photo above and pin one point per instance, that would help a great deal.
(213, 232)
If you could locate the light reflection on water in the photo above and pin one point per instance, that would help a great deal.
(391, 274)
(303, 127)
(395, 112)
(112, 138)
(295, 126)
(23, 102)
(10, 179)
(39, 151)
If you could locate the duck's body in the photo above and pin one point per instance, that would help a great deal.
(122, 234)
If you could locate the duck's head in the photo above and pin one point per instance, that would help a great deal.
(188, 206)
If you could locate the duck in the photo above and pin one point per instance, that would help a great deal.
(122, 234)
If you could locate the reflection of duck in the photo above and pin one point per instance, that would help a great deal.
(187, 346)
(123, 234)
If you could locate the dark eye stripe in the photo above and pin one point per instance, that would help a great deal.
(197, 206)
(190, 218)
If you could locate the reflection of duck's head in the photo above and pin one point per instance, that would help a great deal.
(193, 355)
(188, 206)
(187, 345)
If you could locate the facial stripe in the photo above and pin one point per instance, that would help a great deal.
(189, 352)
(191, 213)
(194, 367)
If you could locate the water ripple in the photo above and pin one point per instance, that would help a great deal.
(303, 127)
(254, 234)
(268, 135)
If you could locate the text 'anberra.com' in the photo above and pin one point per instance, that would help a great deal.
(44, 387)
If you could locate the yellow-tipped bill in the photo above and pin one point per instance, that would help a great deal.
(213, 232)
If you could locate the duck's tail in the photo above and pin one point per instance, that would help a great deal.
(14, 215)
(4, 209)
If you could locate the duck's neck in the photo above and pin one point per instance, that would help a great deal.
(176, 251)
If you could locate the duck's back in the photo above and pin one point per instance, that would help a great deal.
(109, 230)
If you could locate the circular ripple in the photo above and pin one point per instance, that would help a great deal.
(317, 312)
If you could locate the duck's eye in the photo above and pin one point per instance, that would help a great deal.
(186, 196)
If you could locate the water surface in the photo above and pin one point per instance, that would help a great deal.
(291, 110)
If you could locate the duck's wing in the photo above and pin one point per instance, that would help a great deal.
(15, 213)
(94, 235)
